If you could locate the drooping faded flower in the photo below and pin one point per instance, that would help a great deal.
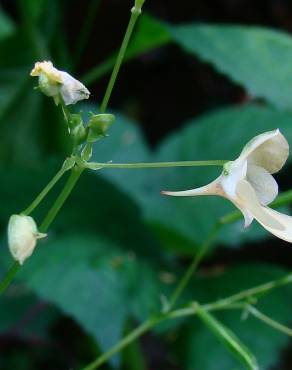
(22, 237)
(248, 183)
(56, 84)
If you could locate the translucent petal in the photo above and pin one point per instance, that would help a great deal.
(263, 183)
(275, 222)
(214, 188)
(269, 150)
(72, 90)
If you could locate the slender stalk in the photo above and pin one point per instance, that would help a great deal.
(140, 330)
(5, 282)
(97, 166)
(69, 186)
(193, 266)
(134, 16)
(46, 190)
(270, 322)
(254, 292)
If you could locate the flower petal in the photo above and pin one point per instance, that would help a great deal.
(46, 67)
(275, 222)
(248, 217)
(214, 188)
(72, 90)
(263, 183)
(269, 150)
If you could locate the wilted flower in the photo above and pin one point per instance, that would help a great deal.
(22, 237)
(247, 182)
(55, 83)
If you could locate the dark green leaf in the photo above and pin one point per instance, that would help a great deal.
(256, 58)
(94, 282)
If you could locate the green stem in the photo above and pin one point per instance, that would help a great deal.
(9, 277)
(267, 320)
(47, 189)
(69, 186)
(134, 16)
(193, 266)
(251, 293)
(140, 330)
(97, 166)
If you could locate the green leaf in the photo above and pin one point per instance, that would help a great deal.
(93, 281)
(228, 338)
(7, 26)
(254, 57)
(264, 342)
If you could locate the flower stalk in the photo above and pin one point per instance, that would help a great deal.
(97, 166)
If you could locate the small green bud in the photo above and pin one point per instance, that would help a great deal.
(77, 130)
(75, 120)
(98, 126)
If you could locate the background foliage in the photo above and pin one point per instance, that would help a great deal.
(118, 246)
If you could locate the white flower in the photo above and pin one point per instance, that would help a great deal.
(22, 237)
(247, 182)
(55, 83)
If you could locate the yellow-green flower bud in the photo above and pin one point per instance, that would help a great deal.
(22, 237)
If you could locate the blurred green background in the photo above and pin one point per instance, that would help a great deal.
(199, 81)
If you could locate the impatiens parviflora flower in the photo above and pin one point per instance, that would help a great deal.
(22, 237)
(56, 84)
(248, 183)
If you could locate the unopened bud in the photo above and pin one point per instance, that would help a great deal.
(77, 130)
(99, 125)
(22, 237)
